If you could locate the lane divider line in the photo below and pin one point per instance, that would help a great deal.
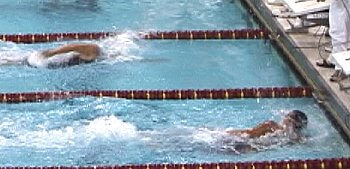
(185, 94)
(157, 35)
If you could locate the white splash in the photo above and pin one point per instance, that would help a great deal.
(111, 127)
(37, 60)
(120, 48)
(12, 53)
(208, 136)
(105, 128)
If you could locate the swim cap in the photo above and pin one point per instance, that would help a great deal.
(300, 119)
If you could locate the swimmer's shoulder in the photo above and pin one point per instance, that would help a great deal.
(264, 128)
(270, 124)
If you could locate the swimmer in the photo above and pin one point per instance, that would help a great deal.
(84, 52)
(78, 53)
(66, 55)
(292, 124)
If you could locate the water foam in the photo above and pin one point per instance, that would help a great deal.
(208, 136)
(77, 135)
(120, 48)
(111, 127)
(11, 52)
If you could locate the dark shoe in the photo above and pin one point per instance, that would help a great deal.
(336, 73)
(325, 64)
(337, 76)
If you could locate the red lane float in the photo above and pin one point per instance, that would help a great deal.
(334, 163)
(275, 92)
(210, 34)
(180, 35)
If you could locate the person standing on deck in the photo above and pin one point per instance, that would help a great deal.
(339, 24)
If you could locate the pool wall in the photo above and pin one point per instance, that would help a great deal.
(337, 111)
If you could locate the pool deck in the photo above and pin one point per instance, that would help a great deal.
(302, 50)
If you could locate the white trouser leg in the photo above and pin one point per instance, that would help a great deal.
(339, 22)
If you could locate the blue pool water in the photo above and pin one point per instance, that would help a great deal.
(96, 131)
(79, 15)
(156, 65)
(89, 131)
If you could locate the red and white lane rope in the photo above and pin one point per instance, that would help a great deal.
(272, 92)
(333, 163)
(180, 35)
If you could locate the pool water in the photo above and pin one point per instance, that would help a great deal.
(29, 16)
(155, 65)
(90, 131)
(97, 131)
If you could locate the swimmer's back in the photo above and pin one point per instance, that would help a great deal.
(88, 52)
(260, 130)
(85, 51)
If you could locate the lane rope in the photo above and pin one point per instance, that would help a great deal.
(262, 92)
(175, 35)
(331, 163)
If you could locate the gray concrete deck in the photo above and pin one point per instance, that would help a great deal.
(302, 50)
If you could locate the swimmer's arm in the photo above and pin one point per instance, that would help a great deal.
(61, 50)
(264, 128)
(86, 51)
(237, 132)
(258, 131)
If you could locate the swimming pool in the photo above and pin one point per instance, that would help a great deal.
(96, 131)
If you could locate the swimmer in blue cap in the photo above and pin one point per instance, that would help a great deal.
(292, 124)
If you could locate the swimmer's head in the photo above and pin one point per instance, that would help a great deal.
(297, 119)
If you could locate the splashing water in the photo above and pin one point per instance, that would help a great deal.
(120, 48)
(11, 52)
(111, 127)
(105, 128)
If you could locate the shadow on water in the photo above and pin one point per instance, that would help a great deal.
(76, 5)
